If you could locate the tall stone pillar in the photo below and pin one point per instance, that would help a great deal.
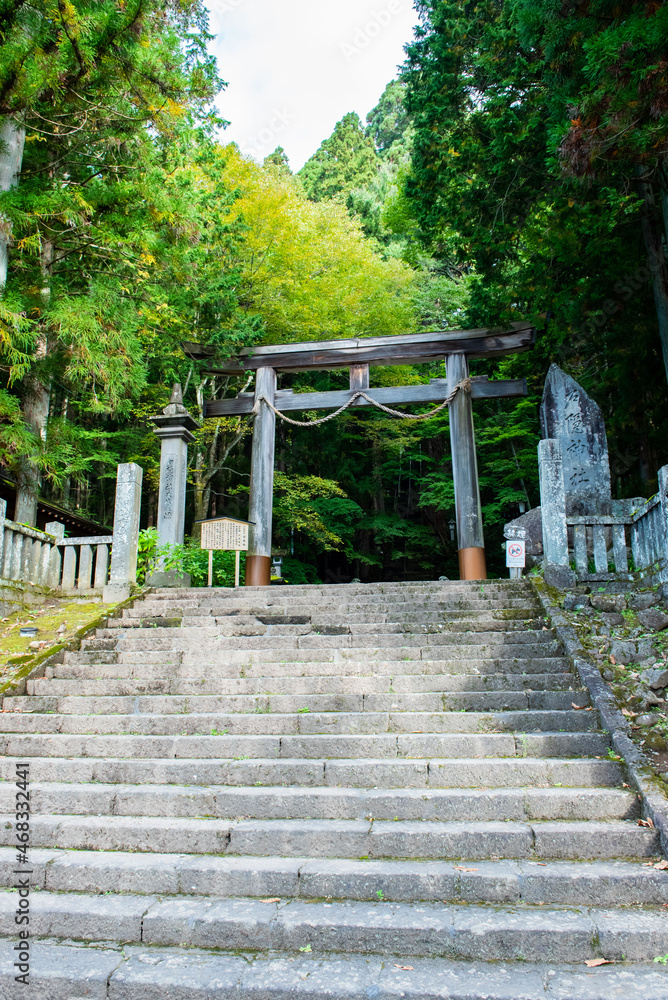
(470, 539)
(258, 558)
(123, 573)
(174, 427)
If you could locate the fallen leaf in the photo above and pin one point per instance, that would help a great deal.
(458, 868)
(406, 968)
(629, 715)
(662, 866)
(592, 963)
(613, 661)
(577, 707)
(274, 899)
(646, 823)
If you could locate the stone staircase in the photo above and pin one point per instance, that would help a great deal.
(390, 790)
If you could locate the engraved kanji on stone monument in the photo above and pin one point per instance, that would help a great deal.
(570, 416)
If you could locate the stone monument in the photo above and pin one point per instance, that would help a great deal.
(571, 417)
(123, 572)
(174, 427)
(574, 468)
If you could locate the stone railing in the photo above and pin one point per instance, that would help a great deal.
(105, 564)
(644, 530)
(28, 555)
(84, 563)
(47, 559)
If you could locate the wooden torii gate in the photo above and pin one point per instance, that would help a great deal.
(456, 347)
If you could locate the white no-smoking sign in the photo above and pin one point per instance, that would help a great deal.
(516, 554)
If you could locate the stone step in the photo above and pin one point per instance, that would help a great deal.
(307, 770)
(287, 704)
(496, 591)
(249, 599)
(392, 614)
(85, 686)
(151, 973)
(434, 930)
(526, 643)
(62, 736)
(146, 666)
(351, 838)
(306, 723)
(601, 883)
(415, 610)
(223, 652)
(451, 590)
(378, 586)
(217, 801)
(237, 626)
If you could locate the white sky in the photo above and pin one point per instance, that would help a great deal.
(296, 67)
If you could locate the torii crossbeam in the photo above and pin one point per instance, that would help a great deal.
(456, 347)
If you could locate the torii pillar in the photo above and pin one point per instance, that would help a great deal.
(470, 538)
(260, 513)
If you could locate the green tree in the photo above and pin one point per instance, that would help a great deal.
(345, 161)
(389, 122)
(491, 198)
(105, 95)
(606, 70)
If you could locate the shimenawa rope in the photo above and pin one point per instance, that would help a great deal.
(464, 385)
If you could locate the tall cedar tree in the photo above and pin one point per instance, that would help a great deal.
(491, 120)
(101, 91)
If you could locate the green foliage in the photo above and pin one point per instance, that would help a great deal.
(195, 561)
(305, 268)
(491, 89)
(607, 64)
(298, 573)
(316, 508)
(152, 555)
(388, 122)
(187, 558)
(345, 161)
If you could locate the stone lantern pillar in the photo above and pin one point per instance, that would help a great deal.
(174, 427)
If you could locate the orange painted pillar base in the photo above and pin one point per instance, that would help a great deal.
(472, 565)
(258, 571)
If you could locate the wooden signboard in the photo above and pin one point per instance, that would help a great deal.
(228, 535)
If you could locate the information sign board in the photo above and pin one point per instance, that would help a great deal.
(226, 534)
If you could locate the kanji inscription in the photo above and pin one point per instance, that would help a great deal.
(225, 534)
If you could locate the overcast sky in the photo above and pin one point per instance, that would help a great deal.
(296, 67)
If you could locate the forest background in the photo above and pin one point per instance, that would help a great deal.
(515, 170)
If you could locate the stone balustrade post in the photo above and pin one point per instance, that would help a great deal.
(663, 494)
(56, 529)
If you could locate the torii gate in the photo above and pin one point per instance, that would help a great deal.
(456, 347)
